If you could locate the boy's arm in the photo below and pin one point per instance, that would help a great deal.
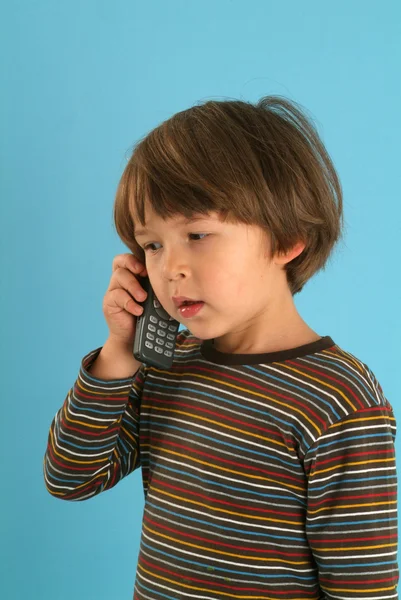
(93, 438)
(351, 519)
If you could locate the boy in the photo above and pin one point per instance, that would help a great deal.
(266, 451)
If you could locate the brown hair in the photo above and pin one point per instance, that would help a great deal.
(260, 164)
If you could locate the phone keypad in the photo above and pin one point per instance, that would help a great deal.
(160, 345)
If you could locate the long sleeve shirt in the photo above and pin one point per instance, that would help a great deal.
(266, 476)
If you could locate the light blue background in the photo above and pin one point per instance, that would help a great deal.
(81, 82)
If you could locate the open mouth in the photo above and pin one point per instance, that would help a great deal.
(189, 302)
(190, 309)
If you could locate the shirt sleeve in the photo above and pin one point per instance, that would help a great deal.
(93, 440)
(351, 518)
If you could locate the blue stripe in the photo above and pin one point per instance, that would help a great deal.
(356, 437)
(221, 399)
(364, 521)
(96, 410)
(87, 448)
(301, 389)
(359, 380)
(353, 480)
(51, 476)
(224, 486)
(251, 573)
(259, 533)
(243, 447)
(367, 564)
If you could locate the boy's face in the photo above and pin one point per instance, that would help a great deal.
(229, 269)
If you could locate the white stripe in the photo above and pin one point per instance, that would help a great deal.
(355, 514)
(182, 438)
(225, 560)
(285, 545)
(231, 576)
(349, 472)
(211, 518)
(234, 495)
(232, 479)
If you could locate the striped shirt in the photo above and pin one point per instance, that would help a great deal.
(266, 476)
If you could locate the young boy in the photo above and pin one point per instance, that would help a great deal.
(266, 451)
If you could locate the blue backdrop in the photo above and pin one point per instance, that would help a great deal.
(81, 82)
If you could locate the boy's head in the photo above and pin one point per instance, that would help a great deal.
(262, 165)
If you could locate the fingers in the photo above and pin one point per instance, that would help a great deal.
(130, 262)
(122, 278)
(124, 287)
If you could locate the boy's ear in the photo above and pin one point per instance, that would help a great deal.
(283, 258)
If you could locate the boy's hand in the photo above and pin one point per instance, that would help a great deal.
(119, 308)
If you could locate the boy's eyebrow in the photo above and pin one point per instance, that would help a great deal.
(183, 220)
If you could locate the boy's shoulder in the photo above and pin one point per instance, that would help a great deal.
(357, 378)
(333, 382)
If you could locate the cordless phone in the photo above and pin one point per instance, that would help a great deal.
(156, 331)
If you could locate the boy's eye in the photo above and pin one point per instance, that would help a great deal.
(147, 246)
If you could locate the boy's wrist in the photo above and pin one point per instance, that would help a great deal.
(115, 361)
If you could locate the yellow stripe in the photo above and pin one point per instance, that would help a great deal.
(322, 382)
(347, 357)
(207, 589)
(248, 391)
(76, 487)
(313, 512)
(219, 552)
(361, 418)
(223, 510)
(343, 548)
(128, 435)
(385, 589)
(353, 464)
(216, 466)
(69, 420)
(79, 462)
(93, 393)
(219, 423)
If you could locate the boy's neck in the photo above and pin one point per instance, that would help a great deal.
(281, 328)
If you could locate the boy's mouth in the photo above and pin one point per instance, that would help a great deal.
(184, 301)
(190, 309)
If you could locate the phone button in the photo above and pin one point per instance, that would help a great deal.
(159, 341)
(150, 336)
(153, 319)
(161, 333)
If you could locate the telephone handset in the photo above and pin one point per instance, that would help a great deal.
(156, 332)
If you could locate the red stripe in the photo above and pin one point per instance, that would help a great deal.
(351, 455)
(102, 396)
(324, 376)
(252, 385)
(212, 541)
(223, 586)
(176, 406)
(85, 432)
(337, 498)
(353, 540)
(224, 502)
(365, 582)
(218, 459)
